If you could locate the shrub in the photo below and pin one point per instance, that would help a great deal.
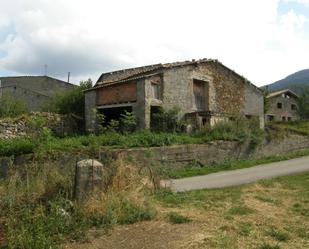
(10, 107)
(239, 128)
(70, 101)
(17, 146)
(166, 120)
(127, 122)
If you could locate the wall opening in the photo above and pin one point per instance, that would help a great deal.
(153, 110)
(156, 91)
(114, 113)
(279, 105)
(200, 92)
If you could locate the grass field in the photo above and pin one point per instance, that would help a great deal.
(270, 214)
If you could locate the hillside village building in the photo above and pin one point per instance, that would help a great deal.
(282, 106)
(35, 91)
(205, 91)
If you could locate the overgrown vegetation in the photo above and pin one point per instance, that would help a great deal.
(175, 218)
(238, 130)
(166, 120)
(300, 127)
(69, 102)
(38, 211)
(10, 107)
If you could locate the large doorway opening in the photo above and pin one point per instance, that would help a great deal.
(153, 119)
(113, 113)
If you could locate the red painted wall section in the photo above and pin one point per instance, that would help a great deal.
(116, 94)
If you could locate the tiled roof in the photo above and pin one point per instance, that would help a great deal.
(274, 94)
(142, 72)
(120, 75)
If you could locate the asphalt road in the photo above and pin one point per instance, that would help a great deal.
(240, 176)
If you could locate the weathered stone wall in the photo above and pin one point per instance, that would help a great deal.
(26, 125)
(208, 154)
(227, 93)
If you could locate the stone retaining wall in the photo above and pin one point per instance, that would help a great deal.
(208, 154)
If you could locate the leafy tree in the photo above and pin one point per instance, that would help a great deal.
(70, 101)
(303, 103)
(10, 107)
(266, 100)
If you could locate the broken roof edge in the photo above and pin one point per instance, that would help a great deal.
(276, 93)
(159, 66)
(121, 81)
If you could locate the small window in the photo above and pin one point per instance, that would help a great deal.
(293, 107)
(279, 105)
(283, 118)
(289, 119)
(156, 91)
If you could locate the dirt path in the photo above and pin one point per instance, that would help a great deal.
(143, 235)
(240, 176)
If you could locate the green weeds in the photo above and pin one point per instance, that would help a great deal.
(175, 218)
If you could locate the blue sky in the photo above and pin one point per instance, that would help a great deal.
(299, 8)
(263, 40)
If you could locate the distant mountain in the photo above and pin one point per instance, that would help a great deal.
(295, 82)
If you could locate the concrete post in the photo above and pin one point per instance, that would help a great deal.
(89, 178)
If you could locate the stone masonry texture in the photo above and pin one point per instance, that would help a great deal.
(226, 93)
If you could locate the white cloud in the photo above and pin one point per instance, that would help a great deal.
(89, 37)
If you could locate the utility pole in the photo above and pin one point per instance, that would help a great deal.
(45, 69)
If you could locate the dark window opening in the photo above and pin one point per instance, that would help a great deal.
(289, 119)
(204, 121)
(283, 118)
(279, 105)
(293, 107)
